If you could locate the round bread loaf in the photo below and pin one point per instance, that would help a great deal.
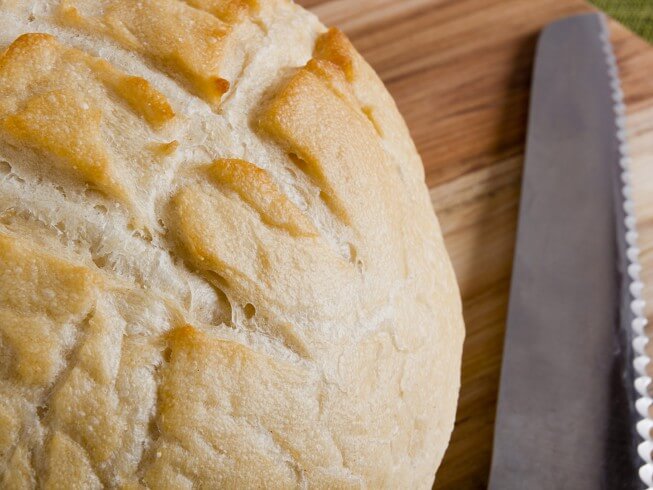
(219, 264)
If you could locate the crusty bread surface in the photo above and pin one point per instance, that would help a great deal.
(219, 265)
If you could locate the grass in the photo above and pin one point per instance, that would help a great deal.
(637, 15)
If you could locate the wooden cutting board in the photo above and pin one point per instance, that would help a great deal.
(460, 72)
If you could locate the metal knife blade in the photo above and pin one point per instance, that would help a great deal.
(565, 417)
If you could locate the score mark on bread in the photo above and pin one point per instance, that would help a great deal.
(192, 41)
(65, 104)
(252, 242)
(255, 186)
(58, 124)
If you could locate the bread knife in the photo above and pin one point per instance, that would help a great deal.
(573, 375)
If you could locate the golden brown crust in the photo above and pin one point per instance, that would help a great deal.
(229, 11)
(56, 123)
(189, 40)
(243, 289)
(34, 57)
(139, 94)
(255, 186)
(334, 46)
(57, 102)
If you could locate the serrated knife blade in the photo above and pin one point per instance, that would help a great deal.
(566, 413)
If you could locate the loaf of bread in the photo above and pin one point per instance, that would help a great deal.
(219, 265)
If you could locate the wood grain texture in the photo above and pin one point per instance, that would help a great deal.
(460, 72)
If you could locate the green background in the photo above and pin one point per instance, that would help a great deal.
(637, 15)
